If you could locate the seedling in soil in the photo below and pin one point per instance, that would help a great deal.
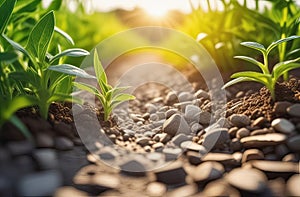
(265, 77)
(109, 96)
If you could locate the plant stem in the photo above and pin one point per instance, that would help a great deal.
(282, 48)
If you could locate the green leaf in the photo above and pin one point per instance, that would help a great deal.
(16, 104)
(253, 61)
(70, 70)
(6, 9)
(254, 45)
(237, 80)
(19, 124)
(76, 52)
(283, 67)
(55, 5)
(99, 71)
(40, 36)
(25, 6)
(64, 98)
(86, 87)
(64, 35)
(8, 57)
(255, 76)
(278, 42)
(118, 90)
(16, 46)
(123, 97)
(293, 52)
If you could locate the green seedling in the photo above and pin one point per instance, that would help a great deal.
(109, 96)
(36, 73)
(265, 77)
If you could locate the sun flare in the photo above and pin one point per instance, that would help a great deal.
(157, 10)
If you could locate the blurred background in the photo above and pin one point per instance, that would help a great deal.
(219, 25)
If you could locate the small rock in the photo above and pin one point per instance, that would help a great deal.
(207, 171)
(204, 118)
(183, 191)
(170, 112)
(106, 180)
(294, 143)
(262, 131)
(155, 156)
(235, 144)
(158, 146)
(44, 140)
(46, 159)
(143, 141)
(17, 148)
(242, 132)
(171, 98)
(39, 184)
(172, 174)
(294, 110)
(171, 153)
(239, 120)
(232, 131)
(259, 122)
(220, 188)
(292, 183)
(202, 94)
(63, 143)
(156, 189)
(185, 96)
(283, 125)
(178, 139)
(191, 113)
(224, 123)
(192, 146)
(69, 191)
(253, 181)
(63, 129)
(196, 127)
(290, 158)
(271, 139)
(216, 138)
(252, 154)
(133, 168)
(280, 108)
(161, 115)
(150, 108)
(176, 124)
(194, 157)
(225, 159)
(154, 117)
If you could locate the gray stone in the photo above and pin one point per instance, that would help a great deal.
(44, 140)
(192, 113)
(171, 98)
(158, 146)
(46, 159)
(239, 120)
(176, 124)
(185, 96)
(133, 167)
(17, 148)
(151, 108)
(202, 94)
(171, 153)
(154, 117)
(63, 143)
(252, 154)
(216, 138)
(252, 180)
(143, 141)
(294, 110)
(283, 125)
(207, 171)
(39, 184)
(155, 156)
(280, 107)
(178, 139)
(196, 127)
(161, 115)
(129, 132)
(204, 118)
(271, 139)
(294, 143)
(293, 185)
(172, 174)
(170, 112)
(192, 146)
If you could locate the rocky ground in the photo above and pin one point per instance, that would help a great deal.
(165, 144)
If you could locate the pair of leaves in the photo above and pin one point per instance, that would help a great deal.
(6, 9)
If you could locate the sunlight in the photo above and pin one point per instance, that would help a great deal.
(157, 10)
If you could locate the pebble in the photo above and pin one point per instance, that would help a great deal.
(178, 139)
(242, 132)
(17, 148)
(220, 188)
(63, 143)
(193, 157)
(69, 191)
(170, 112)
(46, 159)
(161, 115)
(235, 144)
(215, 138)
(156, 189)
(294, 110)
(42, 183)
(183, 191)
(191, 113)
(259, 122)
(196, 127)
(239, 120)
(171, 153)
(44, 140)
(143, 141)
(293, 185)
(151, 108)
(172, 174)
(204, 118)
(262, 131)
(252, 180)
(232, 131)
(280, 108)
(133, 167)
(223, 122)
(171, 98)
(276, 167)
(154, 117)
(185, 96)
(106, 180)
(155, 156)
(252, 154)
(290, 158)
(202, 94)
(270, 139)
(283, 125)
(158, 146)
(192, 146)
(207, 171)
(224, 158)
(176, 124)
(294, 143)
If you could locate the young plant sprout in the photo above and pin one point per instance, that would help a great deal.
(109, 96)
(267, 78)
